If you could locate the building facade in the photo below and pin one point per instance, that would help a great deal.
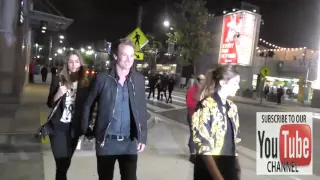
(18, 21)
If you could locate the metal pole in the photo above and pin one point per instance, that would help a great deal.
(139, 18)
(261, 85)
(50, 48)
(307, 75)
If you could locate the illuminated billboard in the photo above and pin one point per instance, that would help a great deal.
(239, 32)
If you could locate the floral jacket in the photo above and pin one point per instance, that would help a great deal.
(208, 126)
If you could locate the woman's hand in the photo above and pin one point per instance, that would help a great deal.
(61, 91)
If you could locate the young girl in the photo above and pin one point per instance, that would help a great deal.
(70, 89)
(215, 127)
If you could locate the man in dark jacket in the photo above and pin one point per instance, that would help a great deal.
(121, 122)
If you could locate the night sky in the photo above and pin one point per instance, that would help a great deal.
(287, 23)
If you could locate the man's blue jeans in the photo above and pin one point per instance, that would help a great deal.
(191, 143)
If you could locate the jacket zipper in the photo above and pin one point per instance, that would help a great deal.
(114, 108)
(134, 94)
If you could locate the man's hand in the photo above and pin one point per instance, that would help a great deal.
(141, 147)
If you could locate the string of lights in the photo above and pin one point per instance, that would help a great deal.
(274, 47)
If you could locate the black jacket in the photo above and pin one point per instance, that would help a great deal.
(82, 94)
(104, 91)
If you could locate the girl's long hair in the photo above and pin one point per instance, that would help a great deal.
(213, 78)
(66, 77)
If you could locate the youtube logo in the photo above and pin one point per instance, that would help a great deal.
(284, 143)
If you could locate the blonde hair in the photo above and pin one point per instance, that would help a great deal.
(213, 78)
(122, 42)
(65, 75)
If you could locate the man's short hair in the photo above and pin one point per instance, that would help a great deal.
(120, 42)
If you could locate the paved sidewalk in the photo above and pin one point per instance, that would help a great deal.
(166, 157)
(20, 153)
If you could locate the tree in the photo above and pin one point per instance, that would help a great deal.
(87, 59)
(152, 50)
(191, 34)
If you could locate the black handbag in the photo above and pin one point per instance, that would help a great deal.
(46, 129)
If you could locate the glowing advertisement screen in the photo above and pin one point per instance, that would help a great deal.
(238, 38)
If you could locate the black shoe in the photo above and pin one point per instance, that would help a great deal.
(192, 158)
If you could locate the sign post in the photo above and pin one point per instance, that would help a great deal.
(138, 56)
(264, 72)
(140, 40)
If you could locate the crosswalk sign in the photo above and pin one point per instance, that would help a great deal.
(139, 38)
(265, 71)
(138, 56)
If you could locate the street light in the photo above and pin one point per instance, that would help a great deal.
(89, 52)
(61, 41)
(71, 49)
(60, 51)
(82, 50)
(166, 23)
(89, 47)
(61, 37)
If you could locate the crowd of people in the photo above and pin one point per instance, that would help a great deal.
(161, 83)
(120, 126)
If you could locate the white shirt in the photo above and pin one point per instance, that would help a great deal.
(70, 104)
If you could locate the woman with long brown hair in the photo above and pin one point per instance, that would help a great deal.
(215, 127)
(68, 91)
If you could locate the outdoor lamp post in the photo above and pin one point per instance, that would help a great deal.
(166, 23)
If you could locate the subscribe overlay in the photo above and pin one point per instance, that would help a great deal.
(284, 143)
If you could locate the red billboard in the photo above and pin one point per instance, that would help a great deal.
(238, 38)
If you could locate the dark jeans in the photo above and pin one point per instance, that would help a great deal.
(170, 92)
(127, 166)
(63, 147)
(159, 93)
(44, 77)
(228, 166)
(191, 145)
(151, 90)
(279, 99)
(31, 78)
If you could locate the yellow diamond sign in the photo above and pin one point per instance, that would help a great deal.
(265, 71)
(139, 38)
(138, 56)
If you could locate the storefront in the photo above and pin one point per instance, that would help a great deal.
(292, 87)
(160, 68)
(166, 68)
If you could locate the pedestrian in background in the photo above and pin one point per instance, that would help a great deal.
(192, 100)
(215, 127)
(152, 83)
(32, 70)
(68, 92)
(44, 73)
(171, 84)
